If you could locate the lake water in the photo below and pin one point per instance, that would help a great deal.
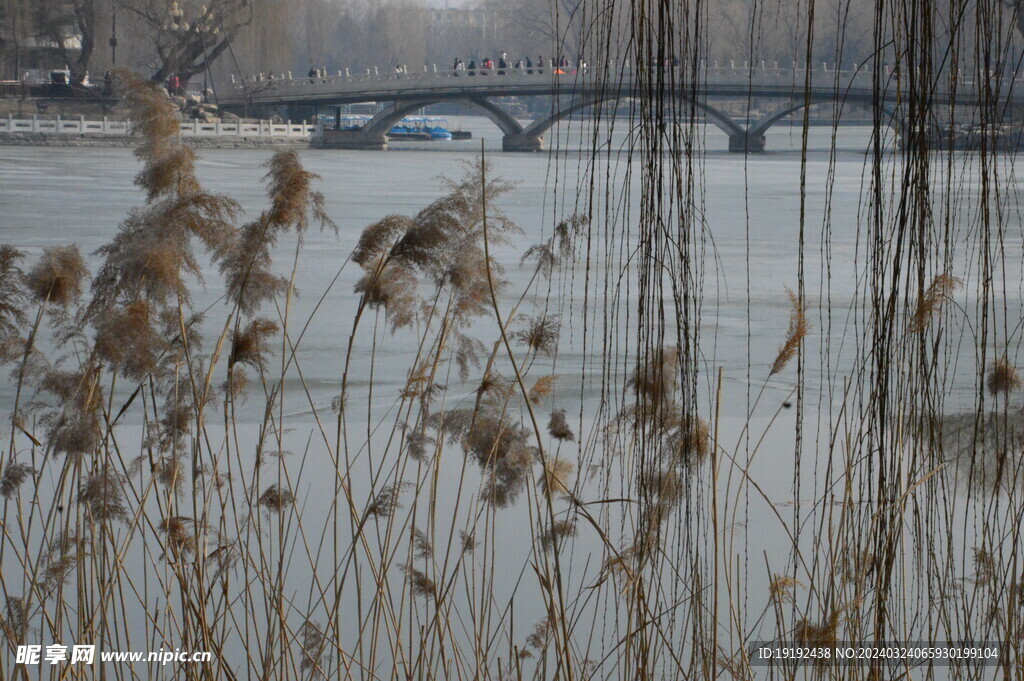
(750, 208)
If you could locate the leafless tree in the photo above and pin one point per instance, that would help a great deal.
(70, 27)
(555, 26)
(189, 37)
(13, 21)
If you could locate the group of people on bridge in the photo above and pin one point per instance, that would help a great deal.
(522, 65)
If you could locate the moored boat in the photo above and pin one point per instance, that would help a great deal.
(409, 129)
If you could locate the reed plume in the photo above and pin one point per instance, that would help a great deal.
(556, 533)
(781, 589)
(169, 471)
(417, 442)
(666, 486)
(12, 292)
(249, 345)
(245, 260)
(155, 247)
(556, 476)
(821, 634)
(422, 546)
(931, 301)
(126, 339)
(153, 252)
(177, 416)
(179, 537)
(540, 334)
(421, 585)
(469, 352)
(541, 389)
(468, 541)
(14, 621)
(538, 638)
(442, 244)
(314, 648)
(102, 494)
(63, 555)
(987, 450)
(795, 334)
(655, 381)
(153, 116)
(558, 249)
(276, 499)
(690, 441)
(499, 444)
(73, 425)
(393, 287)
(855, 565)
(984, 566)
(12, 477)
(558, 427)
(387, 501)
(294, 203)
(58, 276)
(1002, 378)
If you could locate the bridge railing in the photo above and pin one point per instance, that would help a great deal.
(382, 84)
(195, 128)
(254, 84)
(761, 73)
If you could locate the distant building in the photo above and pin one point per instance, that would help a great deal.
(33, 53)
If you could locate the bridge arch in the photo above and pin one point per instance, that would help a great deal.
(718, 118)
(388, 117)
(760, 126)
(751, 138)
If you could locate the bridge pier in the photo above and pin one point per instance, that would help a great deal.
(352, 139)
(742, 143)
(520, 142)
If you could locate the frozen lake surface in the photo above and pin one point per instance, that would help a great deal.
(750, 229)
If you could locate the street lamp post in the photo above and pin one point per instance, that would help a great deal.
(113, 37)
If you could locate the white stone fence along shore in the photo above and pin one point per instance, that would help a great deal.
(81, 126)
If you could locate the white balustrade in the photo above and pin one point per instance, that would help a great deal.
(195, 128)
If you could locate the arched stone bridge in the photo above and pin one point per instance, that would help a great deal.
(572, 91)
